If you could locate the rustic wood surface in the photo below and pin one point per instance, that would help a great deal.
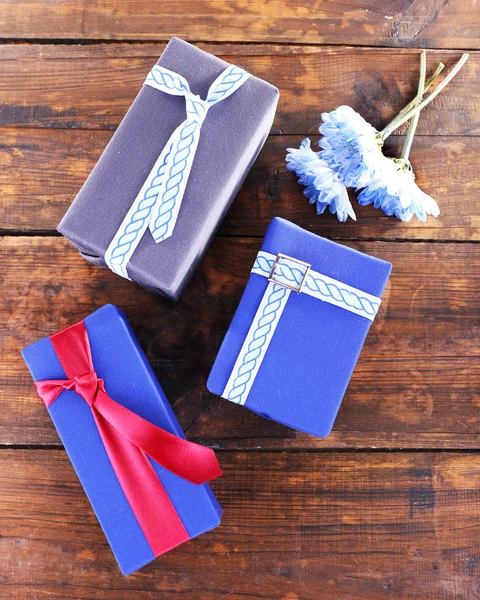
(388, 506)
(419, 23)
(417, 374)
(296, 525)
(91, 87)
(41, 170)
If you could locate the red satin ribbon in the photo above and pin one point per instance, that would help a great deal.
(128, 439)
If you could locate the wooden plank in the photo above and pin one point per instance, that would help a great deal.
(416, 382)
(295, 526)
(93, 86)
(41, 171)
(422, 23)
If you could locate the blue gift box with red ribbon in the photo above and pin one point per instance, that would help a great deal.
(143, 479)
(297, 333)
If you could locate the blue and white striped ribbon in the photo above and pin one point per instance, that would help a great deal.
(297, 275)
(158, 202)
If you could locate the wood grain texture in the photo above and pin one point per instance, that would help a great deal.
(416, 382)
(42, 170)
(420, 23)
(295, 527)
(92, 87)
(304, 518)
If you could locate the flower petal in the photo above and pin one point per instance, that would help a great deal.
(322, 184)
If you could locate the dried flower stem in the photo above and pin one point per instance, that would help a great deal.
(414, 122)
(413, 102)
(397, 122)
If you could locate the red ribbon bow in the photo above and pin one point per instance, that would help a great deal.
(128, 439)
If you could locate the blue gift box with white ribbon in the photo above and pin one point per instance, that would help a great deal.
(161, 188)
(299, 328)
(128, 378)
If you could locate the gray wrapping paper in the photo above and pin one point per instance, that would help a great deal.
(231, 138)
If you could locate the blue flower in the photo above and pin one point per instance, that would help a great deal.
(323, 185)
(351, 146)
(394, 191)
(351, 156)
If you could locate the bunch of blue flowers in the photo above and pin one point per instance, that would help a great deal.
(351, 156)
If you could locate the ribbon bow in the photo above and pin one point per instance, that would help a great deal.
(129, 440)
(158, 202)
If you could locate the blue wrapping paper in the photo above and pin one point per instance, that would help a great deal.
(129, 379)
(315, 347)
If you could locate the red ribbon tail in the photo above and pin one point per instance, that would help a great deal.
(191, 461)
(151, 505)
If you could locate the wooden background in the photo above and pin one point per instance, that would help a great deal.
(388, 506)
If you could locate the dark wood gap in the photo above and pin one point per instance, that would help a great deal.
(336, 238)
(299, 450)
(398, 135)
(112, 42)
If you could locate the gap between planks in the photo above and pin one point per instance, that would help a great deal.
(213, 44)
(299, 450)
(336, 238)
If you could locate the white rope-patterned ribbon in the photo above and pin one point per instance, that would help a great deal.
(286, 275)
(158, 202)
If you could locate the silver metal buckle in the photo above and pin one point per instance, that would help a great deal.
(277, 263)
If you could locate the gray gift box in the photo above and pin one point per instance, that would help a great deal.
(233, 134)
